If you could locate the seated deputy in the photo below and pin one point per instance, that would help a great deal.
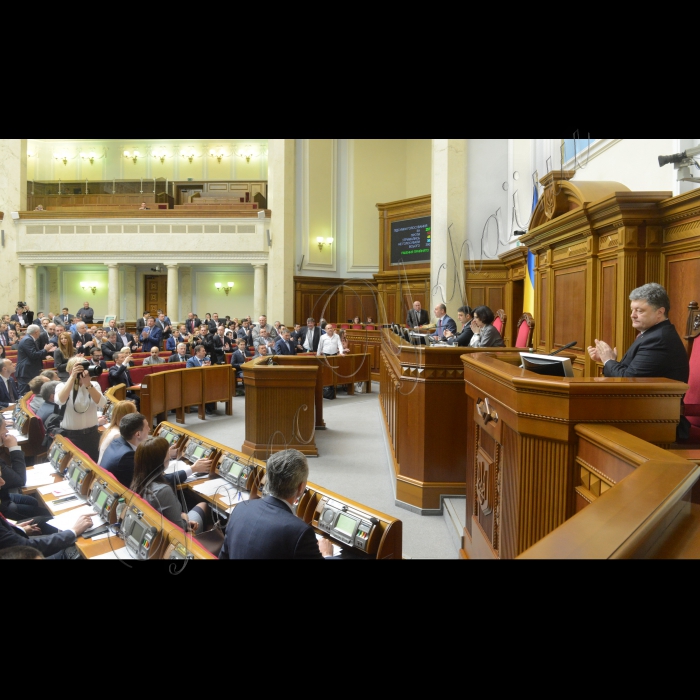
(268, 528)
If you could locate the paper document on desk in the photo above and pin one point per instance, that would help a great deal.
(176, 466)
(61, 488)
(66, 520)
(59, 504)
(230, 498)
(39, 478)
(122, 553)
(44, 467)
(336, 549)
(209, 488)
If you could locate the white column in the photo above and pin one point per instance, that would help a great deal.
(113, 290)
(30, 287)
(185, 292)
(13, 197)
(259, 292)
(448, 206)
(172, 309)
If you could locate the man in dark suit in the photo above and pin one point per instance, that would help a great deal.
(65, 319)
(464, 314)
(180, 355)
(125, 339)
(119, 374)
(86, 313)
(657, 351)
(151, 336)
(9, 393)
(4, 335)
(221, 345)
(443, 322)
(30, 358)
(198, 359)
(82, 340)
(311, 337)
(192, 323)
(417, 316)
(239, 357)
(119, 455)
(245, 332)
(285, 346)
(111, 346)
(142, 322)
(49, 407)
(268, 528)
(23, 316)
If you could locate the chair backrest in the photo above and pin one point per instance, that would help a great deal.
(370, 327)
(499, 322)
(526, 327)
(691, 401)
(357, 326)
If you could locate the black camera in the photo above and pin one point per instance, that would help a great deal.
(92, 370)
(22, 304)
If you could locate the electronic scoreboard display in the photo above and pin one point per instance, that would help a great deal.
(410, 241)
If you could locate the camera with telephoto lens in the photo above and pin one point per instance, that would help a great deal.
(92, 370)
(22, 304)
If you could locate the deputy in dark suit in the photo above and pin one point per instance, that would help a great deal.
(443, 322)
(151, 336)
(111, 346)
(23, 316)
(119, 455)
(285, 346)
(464, 314)
(9, 393)
(119, 374)
(657, 351)
(30, 358)
(142, 322)
(125, 339)
(268, 528)
(181, 354)
(82, 340)
(192, 323)
(239, 357)
(64, 319)
(417, 316)
(311, 337)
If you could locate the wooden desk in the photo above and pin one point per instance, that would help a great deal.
(520, 431)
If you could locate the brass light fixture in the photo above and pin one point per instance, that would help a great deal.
(92, 286)
(189, 154)
(89, 156)
(323, 241)
(226, 289)
(62, 157)
(134, 156)
(161, 156)
(218, 154)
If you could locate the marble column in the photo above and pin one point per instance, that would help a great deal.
(30, 287)
(259, 293)
(13, 197)
(448, 206)
(54, 292)
(185, 291)
(130, 313)
(281, 201)
(113, 289)
(173, 300)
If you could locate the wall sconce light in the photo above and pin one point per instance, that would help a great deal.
(91, 157)
(226, 289)
(323, 241)
(92, 286)
(61, 156)
(189, 154)
(217, 154)
(160, 156)
(134, 156)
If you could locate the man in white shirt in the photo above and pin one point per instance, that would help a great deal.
(330, 344)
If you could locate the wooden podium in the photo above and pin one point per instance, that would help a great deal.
(522, 467)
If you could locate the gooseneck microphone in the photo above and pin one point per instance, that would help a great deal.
(571, 344)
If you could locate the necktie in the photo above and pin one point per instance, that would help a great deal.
(440, 328)
(11, 390)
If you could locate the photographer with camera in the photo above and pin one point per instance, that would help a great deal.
(82, 397)
(22, 315)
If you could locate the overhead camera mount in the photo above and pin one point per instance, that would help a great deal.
(682, 162)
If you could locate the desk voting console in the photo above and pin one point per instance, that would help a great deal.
(361, 531)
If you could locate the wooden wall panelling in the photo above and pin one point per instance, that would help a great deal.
(682, 274)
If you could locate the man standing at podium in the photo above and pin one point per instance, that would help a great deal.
(657, 351)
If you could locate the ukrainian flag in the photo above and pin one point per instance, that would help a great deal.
(529, 291)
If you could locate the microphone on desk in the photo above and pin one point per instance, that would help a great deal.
(564, 347)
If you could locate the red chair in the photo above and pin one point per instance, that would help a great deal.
(370, 327)
(499, 322)
(356, 326)
(345, 326)
(526, 327)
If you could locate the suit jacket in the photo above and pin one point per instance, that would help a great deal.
(447, 323)
(27, 315)
(130, 341)
(192, 323)
(11, 536)
(42, 340)
(152, 340)
(119, 459)
(237, 359)
(463, 338)
(47, 409)
(5, 398)
(14, 472)
(86, 339)
(316, 338)
(171, 343)
(658, 352)
(489, 337)
(119, 374)
(6, 338)
(140, 325)
(194, 362)
(218, 343)
(265, 528)
(64, 320)
(282, 349)
(108, 349)
(176, 358)
(29, 359)
(86, 315)
(417, 319)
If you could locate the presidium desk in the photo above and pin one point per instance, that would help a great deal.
(519, 431)
(423, 404)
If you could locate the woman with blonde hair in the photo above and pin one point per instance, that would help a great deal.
(111, 431)
(62, 354)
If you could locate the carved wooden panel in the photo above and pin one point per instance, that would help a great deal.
(682, 284)
(544, 307)
(156, 294)
(569, 306)
(510, 495)
(608, 306)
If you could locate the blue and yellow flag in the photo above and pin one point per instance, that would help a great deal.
(529, 291)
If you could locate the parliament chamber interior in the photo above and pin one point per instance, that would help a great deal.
(463, 375)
